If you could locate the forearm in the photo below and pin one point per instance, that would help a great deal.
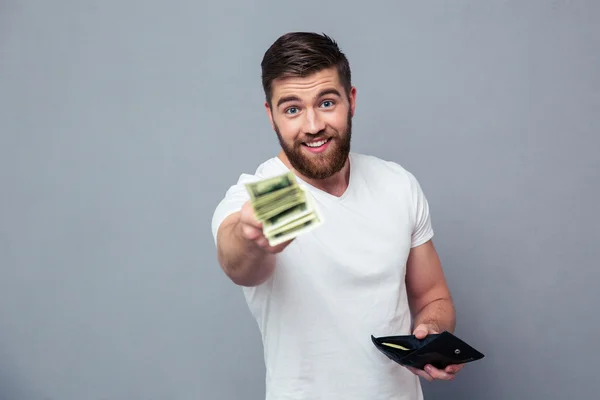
(439, 313)
(242, 260)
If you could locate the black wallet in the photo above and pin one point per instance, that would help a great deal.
(439, 350)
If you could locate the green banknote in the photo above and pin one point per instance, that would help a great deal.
(285, 208)
(294, 231)
(266, 215)
(270, 185)
(291, 227)
(289, 215)
(270, 198)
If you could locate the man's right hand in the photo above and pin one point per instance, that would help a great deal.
(251, 230)
(243, 251)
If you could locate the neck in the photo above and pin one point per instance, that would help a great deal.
(335, 185)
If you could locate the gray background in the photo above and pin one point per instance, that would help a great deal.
(123, 123)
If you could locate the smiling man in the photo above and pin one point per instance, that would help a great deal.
(371, 268)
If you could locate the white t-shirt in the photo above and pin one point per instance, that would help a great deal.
(336, 285)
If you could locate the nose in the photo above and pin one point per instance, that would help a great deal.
(313, 123)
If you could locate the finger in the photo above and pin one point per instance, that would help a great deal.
(453, 369)
(251, 221)
(421, 331)
(278, 248)
(248, 216)
(250, 232)
(263, 242)
(438, 373)
(421, 373)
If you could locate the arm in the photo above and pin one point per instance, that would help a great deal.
(428, 294)
(242, 250)
(430, 302)
(242, 260)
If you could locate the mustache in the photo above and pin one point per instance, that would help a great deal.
(322, 135)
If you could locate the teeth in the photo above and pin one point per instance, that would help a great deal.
(316, 144)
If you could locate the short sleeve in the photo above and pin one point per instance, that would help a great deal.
(422, 228)
(234, 199)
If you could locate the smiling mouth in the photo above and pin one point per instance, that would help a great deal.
(316, 143)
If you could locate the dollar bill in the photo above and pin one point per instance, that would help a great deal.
(285, 208)
(287, 216)
(291, 227)
(278, 202)
(269, 198)
(265, 216)
(270, 185)
(290, 233)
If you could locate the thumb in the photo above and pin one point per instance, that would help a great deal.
(421, 331)
(250, 232)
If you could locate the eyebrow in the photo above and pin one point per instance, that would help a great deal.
(296, 98)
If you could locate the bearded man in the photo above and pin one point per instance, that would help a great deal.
(371, 268)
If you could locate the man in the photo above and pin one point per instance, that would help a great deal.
(370, 268)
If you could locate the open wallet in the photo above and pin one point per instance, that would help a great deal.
(439, 350)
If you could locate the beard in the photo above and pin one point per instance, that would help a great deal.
(319, 165)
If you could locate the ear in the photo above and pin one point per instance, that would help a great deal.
(352, 100)
(269, 114)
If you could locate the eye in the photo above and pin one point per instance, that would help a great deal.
(327, 103)
(291, 110)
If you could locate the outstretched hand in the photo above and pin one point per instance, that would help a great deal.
(431, 373)
(251, 230)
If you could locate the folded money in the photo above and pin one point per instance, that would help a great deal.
(396, 346)
(285, 208)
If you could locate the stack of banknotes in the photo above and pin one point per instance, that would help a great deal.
(285, 208)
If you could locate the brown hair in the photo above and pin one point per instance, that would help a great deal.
(300, 54)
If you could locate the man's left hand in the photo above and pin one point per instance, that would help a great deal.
(430, 373)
